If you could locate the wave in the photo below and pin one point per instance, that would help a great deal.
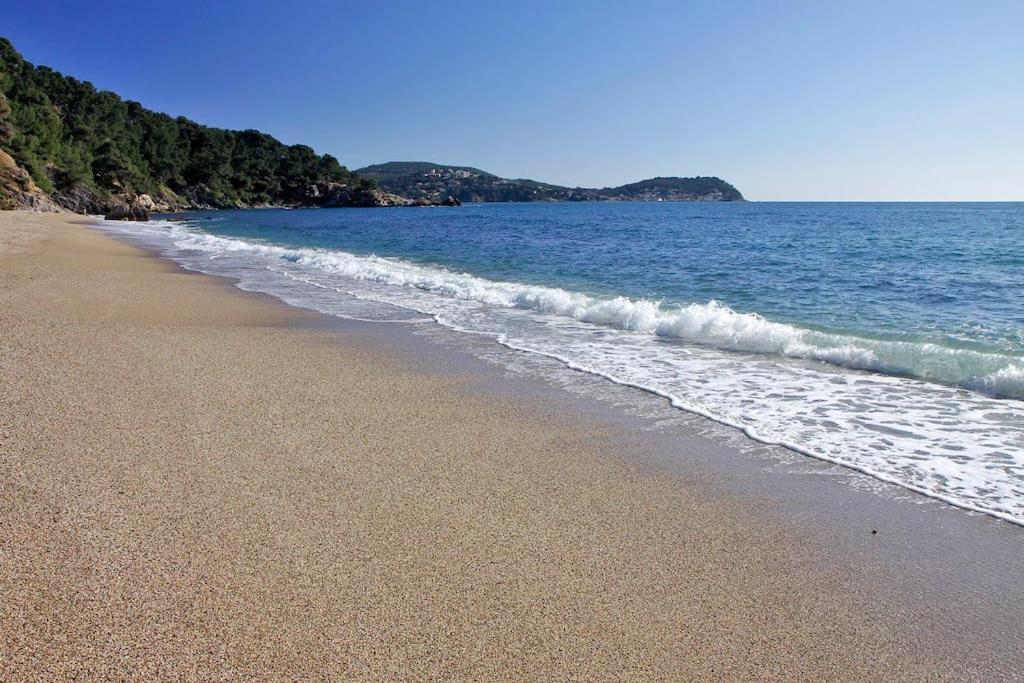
(710, 324)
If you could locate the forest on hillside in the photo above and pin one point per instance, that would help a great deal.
(76, 141)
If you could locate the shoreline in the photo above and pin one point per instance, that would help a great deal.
(762, 433)
(338, 502)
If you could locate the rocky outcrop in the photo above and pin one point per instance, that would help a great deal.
(132, 208)
(80, 198)
(146, 203)
(18, 191)
(334, 195)
(433, 201)
(388, 199)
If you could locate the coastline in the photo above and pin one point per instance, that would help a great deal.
(204, 482)
(879, 402)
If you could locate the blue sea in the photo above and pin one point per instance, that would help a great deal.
(885, 337)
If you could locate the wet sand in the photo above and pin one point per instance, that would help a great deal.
(199, 483)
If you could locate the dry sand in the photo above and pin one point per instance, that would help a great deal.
(195, 483)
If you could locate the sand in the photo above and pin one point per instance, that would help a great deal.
(197, 483)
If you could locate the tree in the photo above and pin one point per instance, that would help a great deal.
(64, 131)
(6, 125)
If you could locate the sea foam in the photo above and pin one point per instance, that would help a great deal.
(711, 323)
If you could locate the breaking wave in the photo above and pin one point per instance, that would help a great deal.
(710, 324)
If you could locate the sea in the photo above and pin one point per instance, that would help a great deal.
(884, 337)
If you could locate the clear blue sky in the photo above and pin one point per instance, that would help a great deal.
(801, 100)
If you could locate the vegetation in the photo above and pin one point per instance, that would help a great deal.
(68, 135)
(90, 150)
(423, 180)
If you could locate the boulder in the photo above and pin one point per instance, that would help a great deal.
(129, 210)
(146, 202)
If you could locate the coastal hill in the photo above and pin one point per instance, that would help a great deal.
(428, 181)
(66, 145)
(63, 143)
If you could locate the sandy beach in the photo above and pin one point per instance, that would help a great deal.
(198, 483)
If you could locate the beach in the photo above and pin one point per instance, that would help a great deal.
(201, 483)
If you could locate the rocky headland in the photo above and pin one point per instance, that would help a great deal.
(429, 181)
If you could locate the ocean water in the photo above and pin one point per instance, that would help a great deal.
(886, 337)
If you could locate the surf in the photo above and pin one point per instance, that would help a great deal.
(711, 323)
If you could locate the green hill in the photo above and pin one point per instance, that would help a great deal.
(429, 181)
(89, 150)
(396, 169)
(63, 143)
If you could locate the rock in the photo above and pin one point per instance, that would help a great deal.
(331, 195)
(130, 209)
(146, 202)
(18, 190)
(80, 198)
(389, 199)
(433, 201)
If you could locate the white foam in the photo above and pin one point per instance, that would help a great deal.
(712, 323)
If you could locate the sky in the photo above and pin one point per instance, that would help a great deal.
(786, 100)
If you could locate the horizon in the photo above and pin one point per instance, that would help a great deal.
(898, 104)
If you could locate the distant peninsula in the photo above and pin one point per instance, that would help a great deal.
(420, 180)
(66, 145)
